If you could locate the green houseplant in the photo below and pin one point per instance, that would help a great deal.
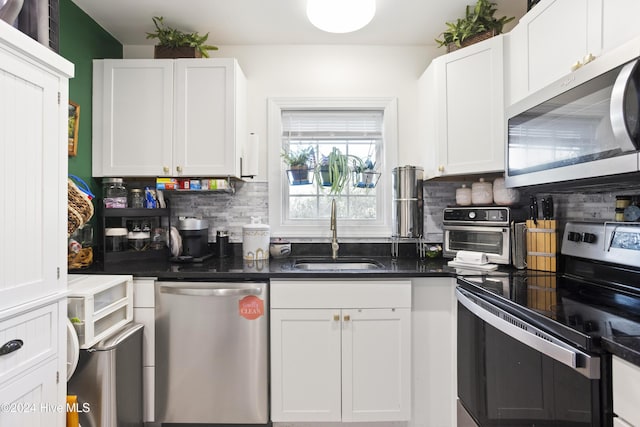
(365, 174)
(334, 170)
(478, 24)
(300, 162)
(173, 43)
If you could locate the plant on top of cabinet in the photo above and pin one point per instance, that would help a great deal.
(173, 43)
(477, 25)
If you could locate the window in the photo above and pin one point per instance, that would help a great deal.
(365, 129)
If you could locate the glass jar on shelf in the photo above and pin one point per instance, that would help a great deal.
(115, 193)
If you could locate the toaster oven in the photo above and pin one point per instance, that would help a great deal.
(492, 230)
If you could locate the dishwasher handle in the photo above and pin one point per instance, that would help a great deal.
(211, 291)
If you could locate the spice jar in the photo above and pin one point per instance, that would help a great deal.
(115, 193)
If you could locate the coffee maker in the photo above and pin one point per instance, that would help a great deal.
(194, 233)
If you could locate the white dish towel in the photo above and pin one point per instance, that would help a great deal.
(470, 257)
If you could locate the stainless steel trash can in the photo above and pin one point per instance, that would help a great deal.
(108, 381)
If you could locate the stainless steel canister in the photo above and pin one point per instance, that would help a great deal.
(408, 204)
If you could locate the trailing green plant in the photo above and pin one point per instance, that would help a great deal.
(173, 38)
(300, 158)
(478, 19)
(337, 168)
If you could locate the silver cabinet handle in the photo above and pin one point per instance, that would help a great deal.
(209, 292)
(532, 337)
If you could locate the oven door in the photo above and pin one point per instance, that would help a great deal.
(513, 374)
(493, 241)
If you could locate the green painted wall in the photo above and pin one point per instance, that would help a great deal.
(81, 41)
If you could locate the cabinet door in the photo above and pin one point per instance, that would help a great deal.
(305, 365)
(376, 365)
(31, 400)
(626, 390)
(132, 117)
(31, 169)
(619, 20)
(205, 130)
(557, 38)
(471, 109)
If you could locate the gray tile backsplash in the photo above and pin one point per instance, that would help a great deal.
(230, 212)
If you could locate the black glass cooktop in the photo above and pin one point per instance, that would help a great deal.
(577, 308)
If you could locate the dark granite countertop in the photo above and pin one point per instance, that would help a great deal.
(627, 348)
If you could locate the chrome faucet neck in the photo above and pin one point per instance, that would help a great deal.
(334, 228)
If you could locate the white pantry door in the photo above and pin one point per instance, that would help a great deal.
(29, 174)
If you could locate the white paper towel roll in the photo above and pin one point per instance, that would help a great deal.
(470, 257)
(250, 155)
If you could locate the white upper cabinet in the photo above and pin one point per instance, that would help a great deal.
(33, 160)
(462, 110)
(557, 36)
(165, 117)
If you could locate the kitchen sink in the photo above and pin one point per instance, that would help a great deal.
(328, 264)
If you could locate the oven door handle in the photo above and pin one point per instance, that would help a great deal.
(587, 365)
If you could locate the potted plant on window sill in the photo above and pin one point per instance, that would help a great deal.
(477, 25)
(334, 170)
(174, 43)
(300, 164)
(365, 174)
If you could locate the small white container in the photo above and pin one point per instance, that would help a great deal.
(463, 196)
(503, 195)
(255, 240)
(481, 192)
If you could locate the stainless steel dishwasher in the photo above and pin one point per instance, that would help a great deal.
(211, 352)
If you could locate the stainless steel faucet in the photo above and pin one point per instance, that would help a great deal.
(334, 228)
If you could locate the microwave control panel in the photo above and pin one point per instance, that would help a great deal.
(487, 215)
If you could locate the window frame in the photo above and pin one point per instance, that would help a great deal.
(277, 179)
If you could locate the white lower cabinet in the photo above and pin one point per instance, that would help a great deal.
(340, 351)
(626, 392)
(144, 312)
(434, 331)
(33, 375)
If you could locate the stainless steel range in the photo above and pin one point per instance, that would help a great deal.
(533, 352)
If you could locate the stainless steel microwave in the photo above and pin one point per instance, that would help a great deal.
(585, 125)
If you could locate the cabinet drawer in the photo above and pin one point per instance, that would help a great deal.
(341, 293)
(38, 332)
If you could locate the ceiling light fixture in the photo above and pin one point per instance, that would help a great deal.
(340, 16)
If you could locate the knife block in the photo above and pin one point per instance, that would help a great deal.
(542, 245)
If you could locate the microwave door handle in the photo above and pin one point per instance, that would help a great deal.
(586, 365)
(617, 108)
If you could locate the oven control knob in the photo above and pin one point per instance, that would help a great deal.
(472, 215)
(589, 238)
(572, 236)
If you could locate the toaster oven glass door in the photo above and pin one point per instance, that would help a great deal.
(493, 241)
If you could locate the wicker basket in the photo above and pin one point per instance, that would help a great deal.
(82, 259)
(79, 207)
(471, 40)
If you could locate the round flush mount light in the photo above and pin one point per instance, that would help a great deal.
(340, 16)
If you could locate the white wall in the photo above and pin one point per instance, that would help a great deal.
(329, 71)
